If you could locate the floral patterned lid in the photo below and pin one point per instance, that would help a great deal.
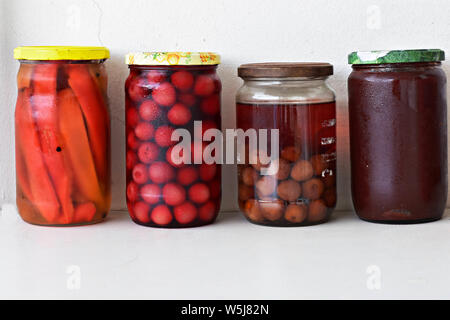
(172, 58)
(396, 56)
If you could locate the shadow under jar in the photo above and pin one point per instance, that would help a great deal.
(62, 131)
(398, 135)
(294, 99)
(166, 92)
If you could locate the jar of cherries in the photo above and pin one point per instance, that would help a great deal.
(294, 100)
(168, 95)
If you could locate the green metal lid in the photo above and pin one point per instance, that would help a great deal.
(396, 56)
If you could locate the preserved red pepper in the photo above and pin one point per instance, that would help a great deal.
(166, 92)
(62, 136)
(294, 99)
(398, 135)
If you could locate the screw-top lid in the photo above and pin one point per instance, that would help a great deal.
(396, 56)
(46, 53)
(172, 58)
(285, 70)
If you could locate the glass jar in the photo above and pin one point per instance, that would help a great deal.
(62, 131)
(398, 135)
(171, 93)
(294, 99)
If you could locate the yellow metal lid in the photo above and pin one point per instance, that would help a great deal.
(172, 58)
(61, 53)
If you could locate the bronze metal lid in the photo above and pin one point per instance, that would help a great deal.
(285, 70)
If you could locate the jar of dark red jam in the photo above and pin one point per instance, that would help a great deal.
(171, 93)
(398, 135)
(293, 100)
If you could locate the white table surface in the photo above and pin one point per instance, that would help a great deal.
(231, 259)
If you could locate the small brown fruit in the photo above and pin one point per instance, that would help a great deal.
(245, 192)
(272, 210)
(279, 168)
(284, 169)
(249, 176)
(241, 205)
(317, 211)
(329, 196)
(319, 164)
(289, 190)
(266, 186)
(252, 210)
(296, 213)
(313, 188)
(291, 153)
(302, 170)
(329, 179)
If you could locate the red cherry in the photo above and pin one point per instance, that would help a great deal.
(187, 99)
(182, 80)
(132, 159)
(174, 194)
(185, 213)
(132, 117)
(144, 131)
(187, 175)
(161, 215)
(137, 90)
(169, 155)
(149, 110)
(211, 105)
(218, 85)
(154, 77)
(132, 191)
(148, 152)
(204, 85)
(199, 193)
(208, 171)
(179, 114)
(130, 208)
(198, 150)
(207, 212)
(163, 136)
(140, 173)
(151, 193)
(161, 172)
(132, 141)
(133, 74)
(164, 94)
(215, 189)
(141, 211)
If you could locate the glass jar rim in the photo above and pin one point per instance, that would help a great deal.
(281, 70)
(287, 79)
(403, 65)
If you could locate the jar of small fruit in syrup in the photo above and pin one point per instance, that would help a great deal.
(294, 99)
(171, 94)
(398, 135)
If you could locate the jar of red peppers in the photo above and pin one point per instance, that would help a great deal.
(168, 93)
(398, 135)
(294, 99)
(62, 132)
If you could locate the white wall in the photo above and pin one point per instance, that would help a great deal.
(241, 31)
